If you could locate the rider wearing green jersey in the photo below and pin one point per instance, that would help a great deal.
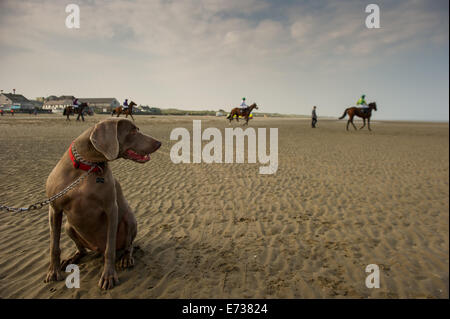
(362, 102)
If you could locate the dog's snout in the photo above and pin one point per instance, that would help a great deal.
(157, 145)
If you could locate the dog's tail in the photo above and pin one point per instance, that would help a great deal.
(343, 115)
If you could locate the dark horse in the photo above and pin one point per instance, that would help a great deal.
(244, 113)
(358, 111)
(129, 111)
(69, 110)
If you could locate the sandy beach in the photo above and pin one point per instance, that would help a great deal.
(338, 202)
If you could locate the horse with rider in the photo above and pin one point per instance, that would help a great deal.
(77, 107)
(242, 111)
(126, 109)
(364, 111)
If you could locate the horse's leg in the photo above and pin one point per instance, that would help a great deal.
(368, 124)
(118, 113)
(351, 121)
(231, 117)
(132, 116)
(364, 119)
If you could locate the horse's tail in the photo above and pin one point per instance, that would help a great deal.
(343, 115)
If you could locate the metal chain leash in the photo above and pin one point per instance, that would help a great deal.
(41, 204)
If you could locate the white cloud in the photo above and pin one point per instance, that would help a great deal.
(195, 46)
(218, 28)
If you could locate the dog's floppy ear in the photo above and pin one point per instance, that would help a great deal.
(104, 139)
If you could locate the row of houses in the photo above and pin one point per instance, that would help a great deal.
(13, 101)
(57, 104)
(53, 103)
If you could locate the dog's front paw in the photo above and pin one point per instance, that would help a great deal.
(53, 274)
(109, 278)
(126, 261)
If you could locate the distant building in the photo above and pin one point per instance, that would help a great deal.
(101, 104)
(57, 104)
(51, 98)
(37, 104)
(15, 101)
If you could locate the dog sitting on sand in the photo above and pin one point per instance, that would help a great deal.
(98, 216)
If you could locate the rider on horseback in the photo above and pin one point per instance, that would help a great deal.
(243, 106)
(76, 103)
(362, 103)
(125, 105)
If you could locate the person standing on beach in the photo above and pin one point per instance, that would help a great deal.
(314, 117)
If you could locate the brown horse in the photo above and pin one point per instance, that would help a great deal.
(358, 111)
(244, 113)
(129, 111)
(70, 110)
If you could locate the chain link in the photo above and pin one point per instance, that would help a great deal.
(41, 204)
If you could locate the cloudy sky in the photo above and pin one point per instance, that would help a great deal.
(204, 54)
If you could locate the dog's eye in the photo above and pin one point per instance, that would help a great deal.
(133, 131)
